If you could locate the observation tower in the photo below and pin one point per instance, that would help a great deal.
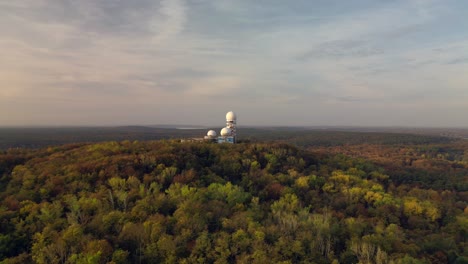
(229, 133)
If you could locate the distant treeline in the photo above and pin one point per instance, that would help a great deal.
(306, 138)
(43, 137)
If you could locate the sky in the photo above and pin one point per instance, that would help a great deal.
(273, 62)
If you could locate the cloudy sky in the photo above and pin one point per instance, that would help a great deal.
(274, 62)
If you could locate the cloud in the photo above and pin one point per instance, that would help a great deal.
(144, 57)
(169, 21)
(342, 48)
(458, 61)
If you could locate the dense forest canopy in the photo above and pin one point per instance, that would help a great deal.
(171, 202)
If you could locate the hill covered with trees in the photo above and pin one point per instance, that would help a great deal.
(171, 202)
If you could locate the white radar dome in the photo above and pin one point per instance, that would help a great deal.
(211, 133)
(230, 116)
(225, 132)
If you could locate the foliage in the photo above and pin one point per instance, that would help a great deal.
(170, 202)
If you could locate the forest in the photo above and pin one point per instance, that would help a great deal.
(296, 200)
(40, 137)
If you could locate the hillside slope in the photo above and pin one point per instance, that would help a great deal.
(169, 202)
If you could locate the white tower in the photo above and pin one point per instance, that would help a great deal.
(231, 121)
